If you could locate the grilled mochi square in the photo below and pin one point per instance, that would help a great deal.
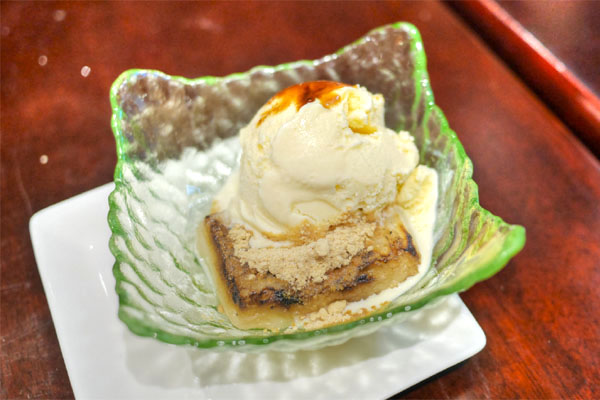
(254, 294)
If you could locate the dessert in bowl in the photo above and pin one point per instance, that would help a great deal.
(177, 146)
(328, 218)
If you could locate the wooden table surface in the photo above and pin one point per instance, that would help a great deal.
(540, 314)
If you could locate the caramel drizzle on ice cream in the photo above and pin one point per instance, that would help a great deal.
(302, 94)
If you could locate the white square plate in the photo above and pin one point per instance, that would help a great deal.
(104, 360)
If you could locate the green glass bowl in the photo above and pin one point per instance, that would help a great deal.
(176, 147)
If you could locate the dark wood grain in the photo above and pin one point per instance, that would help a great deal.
(540, 314)
(572, 30)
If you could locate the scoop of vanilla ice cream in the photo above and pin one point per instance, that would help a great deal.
(313, 153)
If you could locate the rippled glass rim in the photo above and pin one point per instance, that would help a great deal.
(513, 243)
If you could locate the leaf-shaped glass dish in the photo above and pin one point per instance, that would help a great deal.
(176, 146)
